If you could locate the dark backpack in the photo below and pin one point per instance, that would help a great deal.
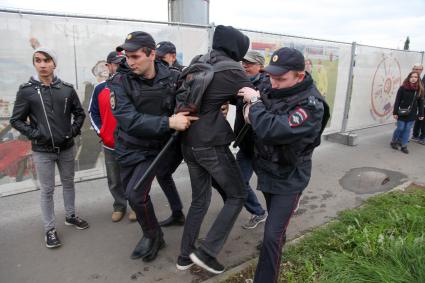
(196, 78)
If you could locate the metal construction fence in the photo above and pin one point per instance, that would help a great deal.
(359, 82)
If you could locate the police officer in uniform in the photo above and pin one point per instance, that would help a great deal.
(287, 121)
(142, 101)
(166, 51)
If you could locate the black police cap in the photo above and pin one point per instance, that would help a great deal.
(165, 47)
(284, 60)
(137, 40)
(114, 57)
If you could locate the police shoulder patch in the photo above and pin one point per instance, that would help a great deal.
(297, 117)
(112, 100)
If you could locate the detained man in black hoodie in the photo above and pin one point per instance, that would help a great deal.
(205, 147)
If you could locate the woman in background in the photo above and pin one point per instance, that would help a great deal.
(409, 100)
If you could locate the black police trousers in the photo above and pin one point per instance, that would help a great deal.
(280, 209)
(419, 129)
(140, 200)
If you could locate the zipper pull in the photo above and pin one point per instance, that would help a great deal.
(66, 100)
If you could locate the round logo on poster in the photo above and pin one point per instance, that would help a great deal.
(386, 81)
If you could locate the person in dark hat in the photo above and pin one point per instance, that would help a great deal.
(253, 64)
(104, 124)
(142, 101)
(287, 121)
(166, 51)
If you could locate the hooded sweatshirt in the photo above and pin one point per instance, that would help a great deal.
(212, 128)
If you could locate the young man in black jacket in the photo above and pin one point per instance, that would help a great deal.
(205, 147)
(50, 103)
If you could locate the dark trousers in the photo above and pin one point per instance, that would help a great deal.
(114, 180)
(280, 209)
(203, 163)
(140, 200)
(164, 177)
(252, 205)
(419, 129)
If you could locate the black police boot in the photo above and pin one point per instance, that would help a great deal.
(142, 248)
(176, 219)
(155, 245)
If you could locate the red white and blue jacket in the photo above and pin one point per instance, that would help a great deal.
(101, 117)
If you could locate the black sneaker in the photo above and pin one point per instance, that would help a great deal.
(76, 221)
(404, 150)
(183, 263)
(207, 262)
(394, 145)
(52, 240)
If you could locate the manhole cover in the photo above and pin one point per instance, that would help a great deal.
(369, 180)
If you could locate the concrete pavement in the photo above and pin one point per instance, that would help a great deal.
(341, 176)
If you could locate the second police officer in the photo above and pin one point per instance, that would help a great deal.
(143, 101)
(288, 121)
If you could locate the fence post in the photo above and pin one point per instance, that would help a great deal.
(211, 29)
(349, 88)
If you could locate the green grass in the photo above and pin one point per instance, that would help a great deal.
(382, 241)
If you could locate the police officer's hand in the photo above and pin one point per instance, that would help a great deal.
(181, 121)
(225, 109)
(395, 117)
(421, 118)
(247, 93)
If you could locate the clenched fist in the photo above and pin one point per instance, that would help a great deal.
(181, 121)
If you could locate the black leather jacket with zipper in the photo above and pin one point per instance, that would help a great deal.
(54, 111)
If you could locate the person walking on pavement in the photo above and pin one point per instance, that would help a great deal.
(408, 105)
(287, 122)
(143, 101)
(205, 147)
(51, 104)
(104, 124)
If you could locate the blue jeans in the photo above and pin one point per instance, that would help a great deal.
(245, 164)
(402, 132)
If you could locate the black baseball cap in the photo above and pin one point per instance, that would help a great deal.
(136, 40)
(114, 57)
(165, 47)
(284, 60)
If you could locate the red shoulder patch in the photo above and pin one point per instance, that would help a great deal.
(297, 118)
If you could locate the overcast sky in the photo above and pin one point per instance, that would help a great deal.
(384, 23)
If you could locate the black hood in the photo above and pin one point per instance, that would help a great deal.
(123, 67)
(228, 39)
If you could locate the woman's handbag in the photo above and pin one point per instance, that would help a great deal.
(403, 112)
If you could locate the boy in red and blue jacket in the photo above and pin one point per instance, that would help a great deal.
(104, 123)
